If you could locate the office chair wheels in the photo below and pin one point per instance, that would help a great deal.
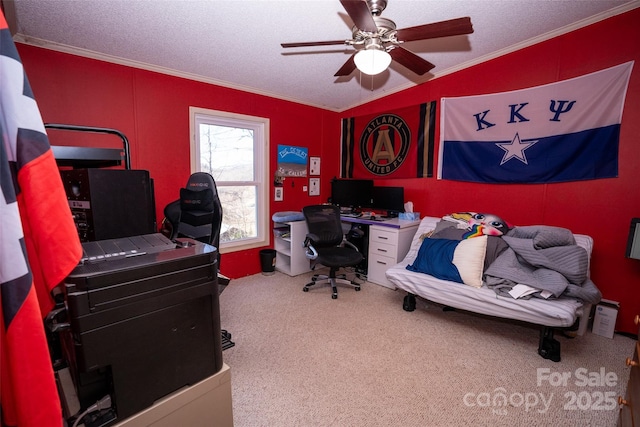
(334, 296)
(357, 288)
(305, 289)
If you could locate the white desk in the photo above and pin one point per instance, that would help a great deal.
(389, 242)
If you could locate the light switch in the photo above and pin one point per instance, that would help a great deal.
(278, 195)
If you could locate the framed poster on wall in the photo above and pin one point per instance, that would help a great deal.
(314, 186)
(314, 166)
(292, 161)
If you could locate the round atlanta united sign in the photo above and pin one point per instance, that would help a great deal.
(384, 144)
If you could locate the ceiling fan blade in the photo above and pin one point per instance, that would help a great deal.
(347, 68)
(410, 60)
(452, 27)
(307, 44)
(360, 14)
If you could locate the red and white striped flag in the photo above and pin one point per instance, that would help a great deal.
(39, 247)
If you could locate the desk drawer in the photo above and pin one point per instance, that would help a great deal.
(383, 249)
(379, 235)
(377, 267)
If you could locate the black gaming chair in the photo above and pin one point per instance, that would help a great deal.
(197, 214)
(327, 245)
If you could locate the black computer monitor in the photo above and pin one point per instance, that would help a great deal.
(390, 199)
(352, 193)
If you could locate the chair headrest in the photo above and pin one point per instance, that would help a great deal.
(201, 181)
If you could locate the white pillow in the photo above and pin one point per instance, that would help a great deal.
(469, 260)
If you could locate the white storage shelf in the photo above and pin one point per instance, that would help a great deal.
(288, 242)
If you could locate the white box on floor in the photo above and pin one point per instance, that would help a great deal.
(604, 320)
(206, 403)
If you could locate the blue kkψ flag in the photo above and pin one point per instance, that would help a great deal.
(564, 131)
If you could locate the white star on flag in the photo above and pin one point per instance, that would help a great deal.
(515, 149)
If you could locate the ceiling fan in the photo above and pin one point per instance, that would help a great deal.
(378, 42)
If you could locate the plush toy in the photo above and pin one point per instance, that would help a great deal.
(488, 224)
(476, 224)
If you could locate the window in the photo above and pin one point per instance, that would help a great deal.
(234, 149)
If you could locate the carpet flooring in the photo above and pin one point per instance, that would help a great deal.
(303, 359)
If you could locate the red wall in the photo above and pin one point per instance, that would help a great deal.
(600, 208)
(152, 110)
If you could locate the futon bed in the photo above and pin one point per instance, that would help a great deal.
(479, 292)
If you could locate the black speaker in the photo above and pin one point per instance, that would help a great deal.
(110, 203)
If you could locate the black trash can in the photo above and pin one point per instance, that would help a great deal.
(268, 261)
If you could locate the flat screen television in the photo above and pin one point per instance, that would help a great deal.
(352, 193)
(390, 199)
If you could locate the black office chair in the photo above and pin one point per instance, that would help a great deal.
(326, 245)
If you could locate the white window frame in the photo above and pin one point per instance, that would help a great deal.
(260, 128)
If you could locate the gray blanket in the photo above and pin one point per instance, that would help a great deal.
(545, 258)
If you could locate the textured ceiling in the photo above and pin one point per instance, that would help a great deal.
(236, 43)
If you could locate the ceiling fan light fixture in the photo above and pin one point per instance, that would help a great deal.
(372, 60)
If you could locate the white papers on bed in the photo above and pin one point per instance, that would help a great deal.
(520, 290)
